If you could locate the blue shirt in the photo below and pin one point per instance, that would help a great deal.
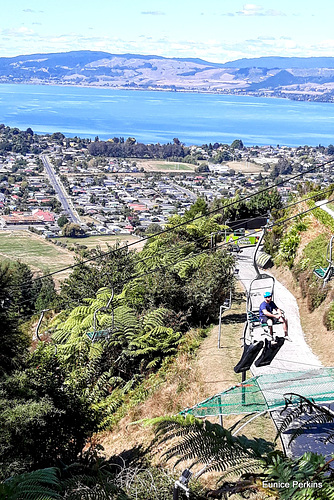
(268, 306)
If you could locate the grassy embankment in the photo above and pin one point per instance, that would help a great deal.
(315, 302)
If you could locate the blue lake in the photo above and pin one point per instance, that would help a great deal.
(160, 116)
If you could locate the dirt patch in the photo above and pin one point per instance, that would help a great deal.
(245, 167)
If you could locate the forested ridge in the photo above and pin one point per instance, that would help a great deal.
(56, 394)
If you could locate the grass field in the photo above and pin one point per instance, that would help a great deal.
(34, 251)
(103, 240)
(164, 166)
(174, 166)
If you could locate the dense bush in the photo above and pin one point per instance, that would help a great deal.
(329, 317)
(288, 247)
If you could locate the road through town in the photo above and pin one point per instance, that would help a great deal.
(61, 193)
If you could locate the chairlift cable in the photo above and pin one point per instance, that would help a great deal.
(174, 227)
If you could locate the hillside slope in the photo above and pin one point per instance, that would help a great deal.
(299, 78)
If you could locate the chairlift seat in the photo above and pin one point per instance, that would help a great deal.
(321, 272)
(98, 335)
(254, 320)
(326, 273)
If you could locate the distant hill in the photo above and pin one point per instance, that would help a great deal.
(309, 78)
(283, 62)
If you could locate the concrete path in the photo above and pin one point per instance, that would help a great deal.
(293, 356)
(322, 204)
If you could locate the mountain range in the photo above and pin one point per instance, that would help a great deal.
(310, 78)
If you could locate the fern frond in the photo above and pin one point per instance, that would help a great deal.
(206, 443)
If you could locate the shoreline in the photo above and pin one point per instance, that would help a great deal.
(300, 97)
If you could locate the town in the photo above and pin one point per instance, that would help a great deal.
(123, 195)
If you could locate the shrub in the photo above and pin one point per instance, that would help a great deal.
(288, 247)
(329, 317)
(316, 295)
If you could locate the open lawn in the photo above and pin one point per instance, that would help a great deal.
(164, 166)
(34, 251)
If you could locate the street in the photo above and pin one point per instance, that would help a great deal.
(62, 195)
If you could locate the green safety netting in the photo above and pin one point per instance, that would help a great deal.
(266, 392)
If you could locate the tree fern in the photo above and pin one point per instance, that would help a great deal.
(42, 484)
(204, 443)
(192, 263)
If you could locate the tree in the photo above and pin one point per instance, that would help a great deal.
(42, 418)
(47, 296)
(237, 144)
(199, 207)
(203, 167)
(14, 343)
(254, 460)
(23, 291)
(62, 221)
(72, 230)
(154, 228)
(113, 266)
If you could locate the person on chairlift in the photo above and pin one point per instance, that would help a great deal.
(270, 312)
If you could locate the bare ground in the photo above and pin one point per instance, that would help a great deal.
(245, 166)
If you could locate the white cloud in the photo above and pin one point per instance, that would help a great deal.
(153, 13)
(22, 31)
(251, 9)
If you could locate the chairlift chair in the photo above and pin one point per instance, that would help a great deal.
(233, 248)
(100, 335)
(325, 273)
(258, 286)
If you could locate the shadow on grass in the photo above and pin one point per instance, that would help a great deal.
(234, 318)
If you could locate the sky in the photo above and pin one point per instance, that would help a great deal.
(213, 30)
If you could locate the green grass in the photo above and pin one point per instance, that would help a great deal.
(316, 251)
(34, 251)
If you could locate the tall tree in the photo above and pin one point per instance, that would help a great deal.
(14, 343)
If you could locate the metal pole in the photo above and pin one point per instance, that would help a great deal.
(220, 409)
(243, 379)
(220, 325)
(255, 252)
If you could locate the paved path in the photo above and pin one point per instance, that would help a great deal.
(293, 356)
(322, 204)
